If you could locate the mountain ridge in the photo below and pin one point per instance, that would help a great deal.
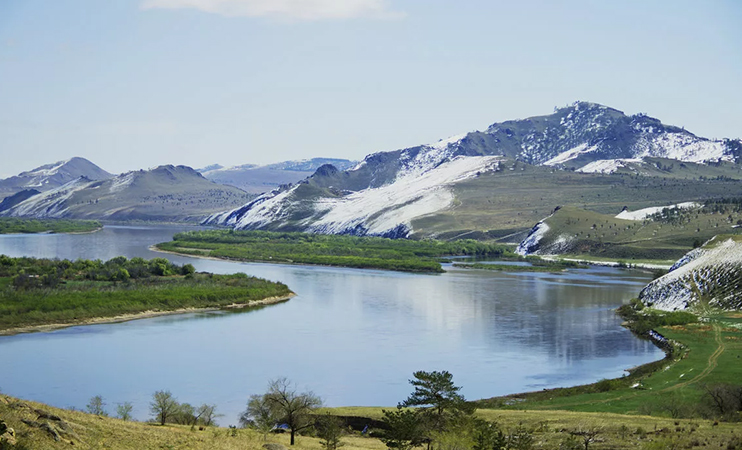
(571, 138)
(164, 193)
(258, 179)
(51, 176)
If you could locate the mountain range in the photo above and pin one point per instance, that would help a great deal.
(77, 188)
(166, 193)
(420, 190)
(51, 176)
(257, 179)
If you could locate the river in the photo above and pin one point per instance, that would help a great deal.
(352, 336)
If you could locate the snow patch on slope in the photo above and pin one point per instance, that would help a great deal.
(642, 214)
(606, 165)
(263, 210)
(532, 242)
(382, 210)
(570, 154)
(122, 181)
(701, 271)
(49, 204)
(681, 146)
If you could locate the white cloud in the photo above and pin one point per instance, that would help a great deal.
(285, 9)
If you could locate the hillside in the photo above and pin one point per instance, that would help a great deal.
(257, 179)
(710, 275)
(166, 193)
(51, 176)
(421, 190)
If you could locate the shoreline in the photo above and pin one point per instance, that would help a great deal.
(608, 263)
(141, 315)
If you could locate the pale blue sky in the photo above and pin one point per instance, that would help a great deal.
(133, 84)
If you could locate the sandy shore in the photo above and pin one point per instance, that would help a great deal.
(141, 315)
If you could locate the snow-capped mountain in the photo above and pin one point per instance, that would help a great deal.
(378, 196)
(258, 179)
(51, 176)
(163, 193)
(710, 273)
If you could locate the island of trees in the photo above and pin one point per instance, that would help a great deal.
(37, 292)
(10, 225)
(332, 250)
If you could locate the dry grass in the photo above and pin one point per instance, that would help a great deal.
(550, 428)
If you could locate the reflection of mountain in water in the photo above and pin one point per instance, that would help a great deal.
(353, 336)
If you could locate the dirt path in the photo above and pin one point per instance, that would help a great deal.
(710, 366)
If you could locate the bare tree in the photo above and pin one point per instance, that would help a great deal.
(289, 406)
(588, 434)
(206, 414)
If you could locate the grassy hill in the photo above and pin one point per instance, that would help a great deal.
(549, 428)
(514, 198)
(666, 235)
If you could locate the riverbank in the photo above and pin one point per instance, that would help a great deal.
(698, 355)
(142, 315)
(639, 264)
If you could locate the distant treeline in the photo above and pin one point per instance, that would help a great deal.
(334, 250)
(14, 225)
(44, 291)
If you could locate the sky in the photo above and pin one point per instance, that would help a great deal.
(132, 84)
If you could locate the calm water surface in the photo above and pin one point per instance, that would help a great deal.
(352, 336)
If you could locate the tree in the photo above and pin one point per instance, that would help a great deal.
(489, 436)
(588, 434)
(187, 269)
(288, 406)
(404, 429)
(163, 406)
(206, 414)
(329, 430)
(259, 414)
(123, 411)
(724, 400)
(97, 406)
(438, 397)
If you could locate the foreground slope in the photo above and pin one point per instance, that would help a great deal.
(710, 275)
(395, 193)
(170, 193)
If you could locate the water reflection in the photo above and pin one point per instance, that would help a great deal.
(352, 336)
